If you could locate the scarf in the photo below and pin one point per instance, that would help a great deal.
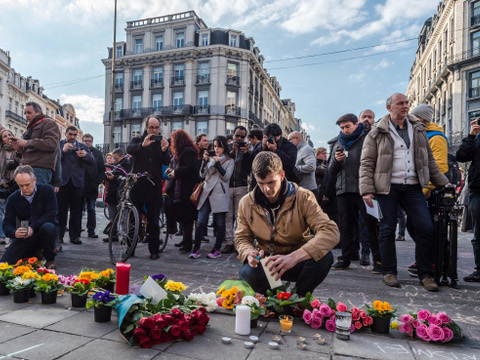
(347, 140)
(35, 121)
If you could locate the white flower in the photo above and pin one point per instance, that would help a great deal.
(250, 300)
(207, 300)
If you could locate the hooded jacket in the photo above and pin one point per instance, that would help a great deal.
(438, 143)
(298, 216)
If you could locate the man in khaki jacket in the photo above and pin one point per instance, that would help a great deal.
(276, 219)
(397, 162)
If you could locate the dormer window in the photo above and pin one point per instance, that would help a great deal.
(233, 40)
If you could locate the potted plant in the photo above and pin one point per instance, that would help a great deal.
(79, 291)
(256, 309)
(48, 285)
(6, 274)
(33, 263)
(106, 280)
(381, 313)
(102, 303)
(20, 288)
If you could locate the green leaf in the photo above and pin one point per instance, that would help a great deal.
(129, 328)
(332, 304)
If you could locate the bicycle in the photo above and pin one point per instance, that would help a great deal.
(162, 218)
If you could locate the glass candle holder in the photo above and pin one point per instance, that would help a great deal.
(343, 323)
(286, 322)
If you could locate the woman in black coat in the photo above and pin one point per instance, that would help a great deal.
(183, 176)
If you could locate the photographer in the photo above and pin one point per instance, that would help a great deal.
(149, 152)
(75, 156)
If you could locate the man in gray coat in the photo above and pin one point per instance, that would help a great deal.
(306, 162)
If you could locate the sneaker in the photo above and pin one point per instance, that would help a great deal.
(413, 270)
(400, 238)
(195, 255)
(429, 284)
(377, 267)
(473, 277)
(365, 260)
(228, 249)
(214, 254)
(3, 241)
(340, 265)
(391, 280)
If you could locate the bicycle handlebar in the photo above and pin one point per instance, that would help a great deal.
(136, 176)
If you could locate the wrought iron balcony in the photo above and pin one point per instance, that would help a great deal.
(178, 80)
(140, 113)
(201, 109)
(18, 118)
(119, 87)
(180, 109)
(203, 79)
(250, 88)
(156, 83)
(475, 20)
(136, 85)
(233, 80)
(232, 110)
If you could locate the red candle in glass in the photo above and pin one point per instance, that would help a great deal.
(123, 278)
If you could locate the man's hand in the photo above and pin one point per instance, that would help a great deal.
(252, 257)
(244, 149)
(164, 145)
(110, 175)
(279, 264)
(205, 156)
(368, 199)
(340, 156)
(81, 153)
(147, 141)
(264, 142)
(234, 147)
(30, 232)
(67, 146)
(18, 144)
(272, 147)
(474, 127)
(171, 174)
(21, 233)
(56, 189)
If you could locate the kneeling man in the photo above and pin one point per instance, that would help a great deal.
(283, 221)
(34, 205)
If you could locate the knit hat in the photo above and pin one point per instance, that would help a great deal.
(423, 111)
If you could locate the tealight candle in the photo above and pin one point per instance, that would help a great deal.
(248, 344)
(300, 340)
(273, 345)
(226, 340)
(301, 346)
(277, 339)
(320, 341)
(286, 322)
(253, 338)
(242, 320)
(316, 336)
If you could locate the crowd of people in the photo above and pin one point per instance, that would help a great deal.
(267, 195)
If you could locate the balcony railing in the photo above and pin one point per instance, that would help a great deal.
(105, 148)
(178, 80)
(475, 20)
(232, 110)
(18, 118)
(201, 109)
(119, 88)
(203, 79)
(156, 83)
(139, 113)
(136, 85)
(233, 80)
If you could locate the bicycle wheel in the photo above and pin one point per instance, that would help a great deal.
(163, 225)
(123, 234)
(105, 211)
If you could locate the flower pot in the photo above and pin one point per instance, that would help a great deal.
(21, 296)
(49, 297)
(253, 323)
(102, 314)
(32, 293)
(110, 286)
(79, 301)
(3, 289)
(381, 325)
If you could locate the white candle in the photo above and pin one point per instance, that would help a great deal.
(242, 320)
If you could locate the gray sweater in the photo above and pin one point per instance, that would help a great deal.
(306, 165)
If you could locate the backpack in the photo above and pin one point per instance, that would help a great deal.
(453, 174)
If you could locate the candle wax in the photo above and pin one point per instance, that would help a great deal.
(286, 325)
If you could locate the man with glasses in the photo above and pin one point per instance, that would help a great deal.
(238, 182)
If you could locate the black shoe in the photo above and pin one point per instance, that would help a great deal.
(228, 249)
(76, 241)
(179, 233)
(93, 236)
(154, 256)
(473, 277)
(365, 260)
(205, 240)
(180, 244)
(186, 248)
(340, 265)
(377, 267)
(413, 270)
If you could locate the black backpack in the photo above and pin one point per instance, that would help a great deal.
(453, 174)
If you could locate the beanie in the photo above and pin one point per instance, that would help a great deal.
(423, 111)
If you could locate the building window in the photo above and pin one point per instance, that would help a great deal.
(233, 40)
(474, 90)
(475, 43)
(119, 79)
(178, 74)
(135, 130)
(204, 68)
(177, 125)
(138, 46)
(231, 102)
(232, 69)
(230, 128)
(204, 41)
(10, 104)
(177, 101)
(16, 107)
(158, 73)
(180, 41)
(119, 51)
(475, 13)
(157, 102)
(118, 104)
(137, 78)
(158, 42)
(201, 127)
(117, 134)
(137, 101)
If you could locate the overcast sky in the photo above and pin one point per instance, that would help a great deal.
(62, 42)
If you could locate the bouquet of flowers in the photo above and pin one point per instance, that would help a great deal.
(104, 278)
(429, 326)
(100, 299)
(49, 283)
(282, 299)
(209, 301)
(6, 272)
(256, 304)
(380, 309)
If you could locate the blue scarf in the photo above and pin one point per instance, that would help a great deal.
(347, 140)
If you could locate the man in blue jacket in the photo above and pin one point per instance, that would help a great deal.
(35, 207)
(75, 157)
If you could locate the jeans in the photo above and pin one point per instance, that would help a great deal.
(91, 220)
(43, 175)
(402, 223)
(44, 239)
(236, 194)
(307, 275)
(474, 207)
(2, 215)
(152, 210)
(202, 222)
(412, 201)
(70, 198)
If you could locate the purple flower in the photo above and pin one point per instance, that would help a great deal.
(406, 319)
(448, 334)
(443, 317)
(330, 325)
(317, 322)
(104, 297)
(158, 277)
(423, 315)
(422, 332)
(307, 316)
(436, 333)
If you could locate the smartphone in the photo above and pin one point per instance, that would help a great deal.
(211, 153)
(156, 137)
(474, 122)
(24, 224)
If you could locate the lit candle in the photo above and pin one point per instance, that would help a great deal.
(286, 322)
(242, 320)
(123, 278)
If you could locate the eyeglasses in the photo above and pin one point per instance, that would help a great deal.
(154, 127)
(240, 136)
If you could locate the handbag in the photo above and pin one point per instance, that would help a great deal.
(198, 188)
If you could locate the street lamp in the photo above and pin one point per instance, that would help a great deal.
(112, 91)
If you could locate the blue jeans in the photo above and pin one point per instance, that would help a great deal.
(2, 215)
(43, 175)
(307, 275)
(202, 222)
(91, 220)
(413, 202)
(474, 207)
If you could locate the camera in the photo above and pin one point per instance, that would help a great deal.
(445, 197)
(75, 146)
(241, 144)
(271, 140)
(156, 137)
(211, 153)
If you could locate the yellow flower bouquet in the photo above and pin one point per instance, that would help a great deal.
(380, 309)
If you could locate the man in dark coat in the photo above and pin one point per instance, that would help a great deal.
(94, 175)
(149, 154)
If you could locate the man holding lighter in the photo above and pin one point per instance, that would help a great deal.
(280, 220)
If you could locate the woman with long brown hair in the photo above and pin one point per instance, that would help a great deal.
(183, 175)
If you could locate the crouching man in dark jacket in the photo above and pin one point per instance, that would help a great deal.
(35, 207)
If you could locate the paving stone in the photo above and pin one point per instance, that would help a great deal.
(224, 325)
(11, 331)
(37, 316)
(104, 349)
(114, 336)
(7, 304)
(169, 356)
(422, 351)
(83, 324)
(285, 351)
(42, 345)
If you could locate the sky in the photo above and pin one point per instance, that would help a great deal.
(331, 57)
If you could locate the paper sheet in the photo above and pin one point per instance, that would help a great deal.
(375, 211)
(151, 290)
(271, 278)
